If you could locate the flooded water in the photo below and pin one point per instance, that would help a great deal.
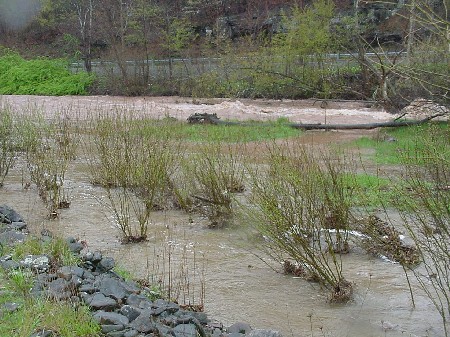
(239, 286)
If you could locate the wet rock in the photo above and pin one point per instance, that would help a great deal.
(240, 327)
(100, 302)
(12, 237)
(185, 330)
(110, 318)
(263, 333)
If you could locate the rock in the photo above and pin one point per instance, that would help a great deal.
(38, 262)
(59, 289)
(44, 333)
(10, 214)
(66, 272)
(96, 257)
(109, 328)
(131, 333)
(130, 312)
(12, 237)
(240, 327)
(139, 301)
(185, 330)
(143, 322)
(7, 263)
(10, 307)
(264, 333)
(105, 264)
(76, 247)
(100, 302)
(114, 288)
(110, 318)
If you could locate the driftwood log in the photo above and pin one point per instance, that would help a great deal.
(206, 118)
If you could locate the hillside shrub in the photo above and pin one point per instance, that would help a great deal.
(40, 77)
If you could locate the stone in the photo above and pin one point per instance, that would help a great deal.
(111, 318)
(264, 333)
(139, 301)
(59, 289)
(12, 237)
(100, 302)
(131, 333)
(39, 262)
(76, 247)
(9, 265)
(240, 327)
(185, 330)
(113, 287)
(130, 312)
(44, 333)
(108, 328)
(10, 307)
(106, 264)
(143, 323)
(96, 257)
(10, 214)
(67, 272)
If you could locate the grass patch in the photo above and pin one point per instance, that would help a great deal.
(40, 77)
(208, 133)
(404, 142)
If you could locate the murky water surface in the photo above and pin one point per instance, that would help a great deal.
(239, 286)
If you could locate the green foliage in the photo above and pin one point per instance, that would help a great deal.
(405, 142)
(40, 77)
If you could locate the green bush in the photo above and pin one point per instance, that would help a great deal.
(40, 77)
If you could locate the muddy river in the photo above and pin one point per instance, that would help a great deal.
(238, 285)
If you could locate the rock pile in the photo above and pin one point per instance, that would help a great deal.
(421, 108)
(122, 307)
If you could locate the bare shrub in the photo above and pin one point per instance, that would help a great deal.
(8, 142)
(302, 209)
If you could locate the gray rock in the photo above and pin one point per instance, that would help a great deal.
(44, 333)
(100, 302)
(110, 318)
(12, 237)
(88, 288)
(236, 334)
(113, 287)
(96, 256)
(109, 328)
(66, 272)
(10, 307)
(143, 323)
(240, 327)
(264, 333)
(18, 225)
(185, 330)
(105, 264)
(139, 301)
(131, 333)
(76, 247)
(9, 265)
(59, 289)
(130, 312)
(39, 262)
(10, 214)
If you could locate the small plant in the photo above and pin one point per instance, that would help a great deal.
(21, 281)
(7, 142)
(217, 174)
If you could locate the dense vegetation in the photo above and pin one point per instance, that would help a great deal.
(40, 77)
(395, 52)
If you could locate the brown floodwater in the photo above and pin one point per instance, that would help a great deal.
(239, 286)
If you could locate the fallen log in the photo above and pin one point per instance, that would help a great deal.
(206, 118)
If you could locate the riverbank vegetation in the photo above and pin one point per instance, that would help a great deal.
(311, 205)
(388, 52)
